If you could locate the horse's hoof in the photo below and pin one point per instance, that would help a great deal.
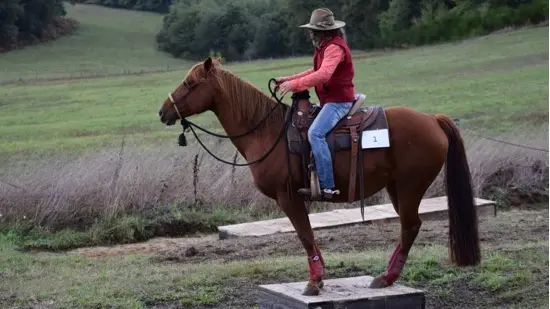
(312, 289)
(378, 283)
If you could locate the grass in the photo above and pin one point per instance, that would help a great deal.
(492, 83)
(172, 221)
(107, 41)
(141, 281)
(89, 153)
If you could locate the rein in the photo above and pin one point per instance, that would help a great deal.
(188, 125)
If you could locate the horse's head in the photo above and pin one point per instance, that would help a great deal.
(193, 96)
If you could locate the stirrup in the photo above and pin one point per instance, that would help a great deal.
(315, 192)
(332, 192)
(324, 195)
(327, 194)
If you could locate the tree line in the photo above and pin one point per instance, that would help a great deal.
(27, 21)
(24, 22)
(251, 29)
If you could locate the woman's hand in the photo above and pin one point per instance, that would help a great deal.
(280, 80)
(285, 87)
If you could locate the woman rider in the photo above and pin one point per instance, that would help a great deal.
(332, 76)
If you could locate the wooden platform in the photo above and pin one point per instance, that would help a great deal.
(433, 208)
(349, 293)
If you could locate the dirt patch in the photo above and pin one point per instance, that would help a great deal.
(161, 244)
(505, 235)
(464, 295)
(506, 227)
(501, 233)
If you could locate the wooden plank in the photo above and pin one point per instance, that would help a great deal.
(349, 293)
(430, 209)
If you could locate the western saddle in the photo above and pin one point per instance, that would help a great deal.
(346, 135)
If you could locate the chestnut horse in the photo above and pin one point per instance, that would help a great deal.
(420, 145)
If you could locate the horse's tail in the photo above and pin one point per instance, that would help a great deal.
(463, 224)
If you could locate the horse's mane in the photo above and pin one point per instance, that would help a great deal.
(247, 102)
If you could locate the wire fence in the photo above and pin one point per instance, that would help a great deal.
(508, 143)
(473, 133)
(166, 175)
(169, 175)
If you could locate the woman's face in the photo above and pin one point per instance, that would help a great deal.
(314, 38)
(310, 33)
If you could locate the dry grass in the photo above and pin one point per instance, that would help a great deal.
(129, 179)
(132, 180)
(500, 170)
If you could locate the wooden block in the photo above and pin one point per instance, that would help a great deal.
(341, 293)
(430, 209)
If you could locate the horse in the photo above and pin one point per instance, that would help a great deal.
(420, 144)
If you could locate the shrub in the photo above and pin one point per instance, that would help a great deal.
(248, 29)
(465, 21)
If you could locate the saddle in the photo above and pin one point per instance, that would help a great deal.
(350, 133)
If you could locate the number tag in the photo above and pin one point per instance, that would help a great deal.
(375, 139)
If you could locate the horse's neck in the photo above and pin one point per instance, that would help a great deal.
(266, 134)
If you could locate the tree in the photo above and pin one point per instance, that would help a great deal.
(29, 20)
(270, 38)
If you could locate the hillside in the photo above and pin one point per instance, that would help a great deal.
(107, 41)
(492, 83)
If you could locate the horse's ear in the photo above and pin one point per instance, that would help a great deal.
(207, 64)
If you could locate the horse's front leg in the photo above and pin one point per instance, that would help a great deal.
(297, 214)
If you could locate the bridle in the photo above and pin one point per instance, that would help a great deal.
(188, 125)
(174, 104)
(171, 97)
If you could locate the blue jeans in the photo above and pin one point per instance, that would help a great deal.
(329, 115)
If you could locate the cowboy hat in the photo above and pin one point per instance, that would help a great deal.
(323, 19)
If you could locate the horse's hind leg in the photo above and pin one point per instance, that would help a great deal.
(297, 214)
(409, 199)
(392, 192)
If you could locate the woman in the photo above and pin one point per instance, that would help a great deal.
(332, 76)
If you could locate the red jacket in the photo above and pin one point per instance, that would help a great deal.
(340, 86)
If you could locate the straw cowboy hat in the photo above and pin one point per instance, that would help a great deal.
(323, 19)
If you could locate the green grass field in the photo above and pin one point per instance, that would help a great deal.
(495, 84)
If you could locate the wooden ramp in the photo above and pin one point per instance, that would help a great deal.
(352, 293)
(433, 208)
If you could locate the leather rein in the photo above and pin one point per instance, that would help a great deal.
(188, 125)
